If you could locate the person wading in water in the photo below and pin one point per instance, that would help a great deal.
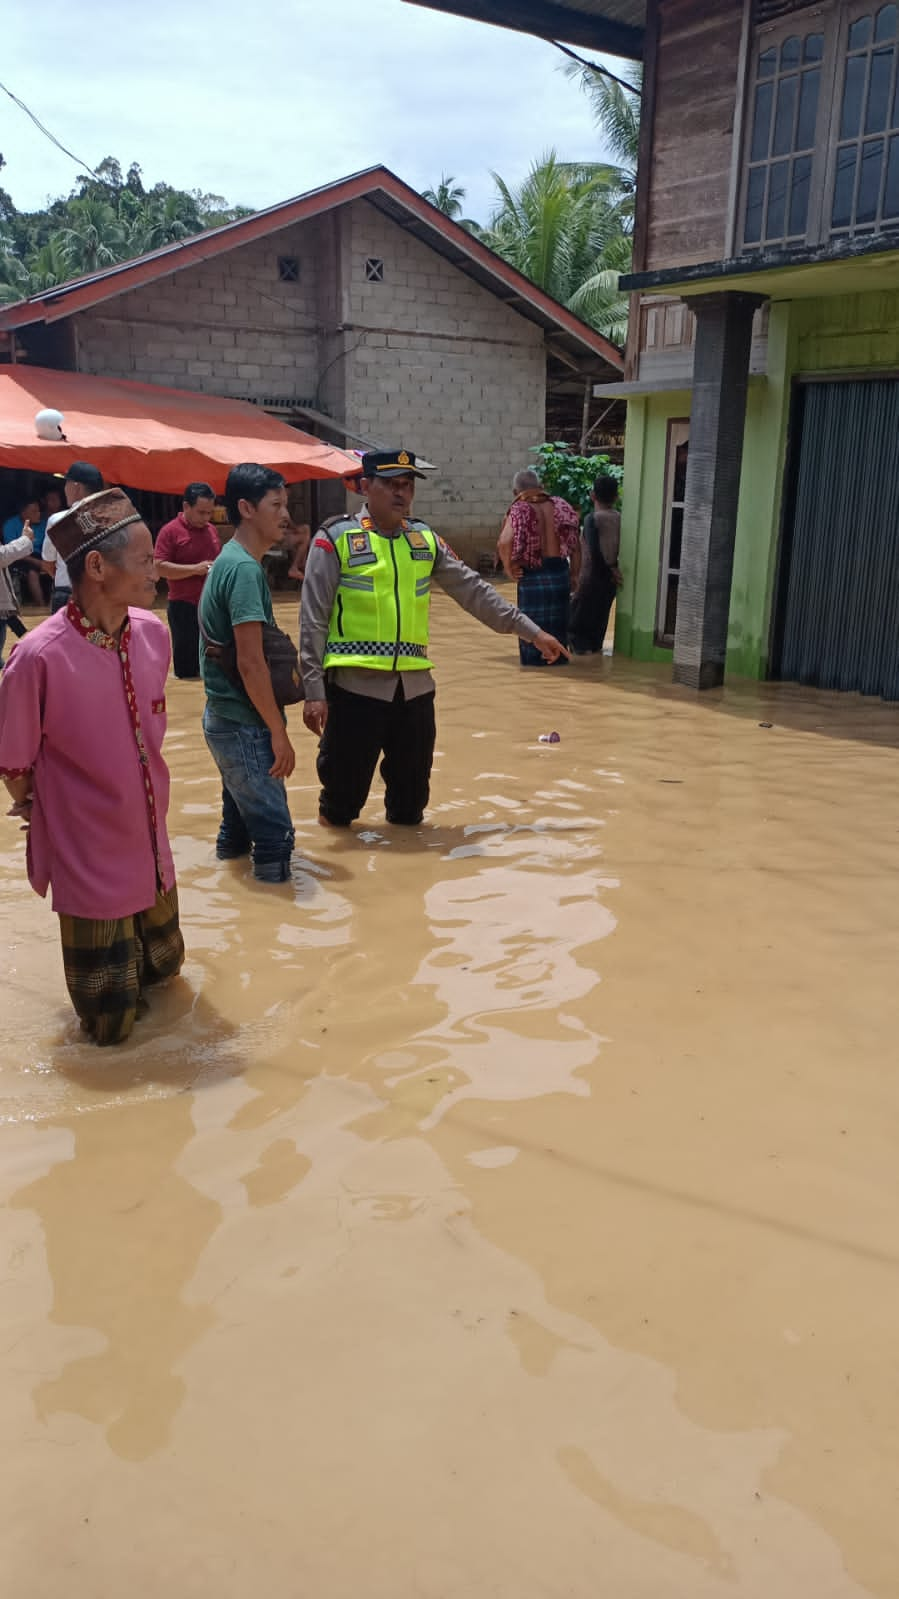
(539, 547)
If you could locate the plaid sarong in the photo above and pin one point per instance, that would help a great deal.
(545, 597)
(108, 964)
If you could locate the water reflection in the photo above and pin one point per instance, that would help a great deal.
(123, 1233)
(564, 1123)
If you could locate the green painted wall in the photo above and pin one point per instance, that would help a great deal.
(848, 332)
(761, 492)
(642, 501)
(840, 333)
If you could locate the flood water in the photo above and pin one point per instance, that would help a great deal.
(509, 1208)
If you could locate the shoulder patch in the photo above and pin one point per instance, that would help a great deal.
(321, 542)
(415, 536)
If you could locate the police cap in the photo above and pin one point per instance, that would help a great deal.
(389, 463)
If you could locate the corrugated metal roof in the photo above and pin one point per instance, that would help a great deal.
(631, 12)
(615, 26)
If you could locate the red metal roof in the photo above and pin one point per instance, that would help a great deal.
(382, 188)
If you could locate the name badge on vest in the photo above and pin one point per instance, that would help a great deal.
(418, 544)
(360, 550)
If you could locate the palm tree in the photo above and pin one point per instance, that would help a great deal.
(447, 196)
(93, 237)
(599, 300)
(14, 279)
(162, 219)
(44, 269)
(566, 228)
(616, 112)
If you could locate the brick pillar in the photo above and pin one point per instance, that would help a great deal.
(720, 378)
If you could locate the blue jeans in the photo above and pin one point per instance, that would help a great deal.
(255, 813)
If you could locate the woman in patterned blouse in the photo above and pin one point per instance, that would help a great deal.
(539, 547)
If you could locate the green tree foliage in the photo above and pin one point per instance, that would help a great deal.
(106, 218)
(447, 196)
(93, 237)
(616, 112)
(7, 209)
(567, 228)
(563, 472)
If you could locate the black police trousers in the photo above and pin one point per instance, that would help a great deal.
(185, 630)
(358, 730)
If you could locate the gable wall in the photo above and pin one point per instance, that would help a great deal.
(440, 365)
(428, 358)
(225, 327)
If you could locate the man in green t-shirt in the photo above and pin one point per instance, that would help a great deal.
(244, 726)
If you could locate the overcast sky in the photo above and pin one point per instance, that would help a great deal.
(259, 102)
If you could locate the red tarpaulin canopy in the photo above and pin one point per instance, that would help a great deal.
(148, 437)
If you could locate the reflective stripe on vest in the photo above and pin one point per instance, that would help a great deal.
(380, 613)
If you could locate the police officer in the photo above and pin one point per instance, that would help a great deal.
(364, 643)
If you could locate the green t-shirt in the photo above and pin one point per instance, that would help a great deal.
(235, 591)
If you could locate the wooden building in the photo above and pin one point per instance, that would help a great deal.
(761, 494)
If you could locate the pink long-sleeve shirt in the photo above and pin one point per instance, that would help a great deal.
(87, 715)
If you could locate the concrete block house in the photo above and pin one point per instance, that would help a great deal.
(761, 492)
(357, 311)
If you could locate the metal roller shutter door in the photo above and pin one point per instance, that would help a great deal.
(839, 590)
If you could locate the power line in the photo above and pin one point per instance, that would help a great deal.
(594, 66)
(48, 135)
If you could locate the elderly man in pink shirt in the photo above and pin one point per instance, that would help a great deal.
(82, 720)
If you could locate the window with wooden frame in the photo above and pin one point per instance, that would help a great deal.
(672, 531)
(784, 119)
(865, 191)
(821, 151)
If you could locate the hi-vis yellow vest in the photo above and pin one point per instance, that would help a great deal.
(380, 614)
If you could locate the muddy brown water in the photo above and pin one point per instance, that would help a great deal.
(506, 1209)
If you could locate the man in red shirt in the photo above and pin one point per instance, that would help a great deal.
(185, 550)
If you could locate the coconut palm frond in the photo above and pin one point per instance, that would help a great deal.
(447, 196)
(94, 237)
(616, 111)
(568, 230)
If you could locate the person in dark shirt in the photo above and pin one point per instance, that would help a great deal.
(600, 577)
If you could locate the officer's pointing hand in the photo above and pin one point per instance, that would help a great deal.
(549, 647)
(315, 715)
